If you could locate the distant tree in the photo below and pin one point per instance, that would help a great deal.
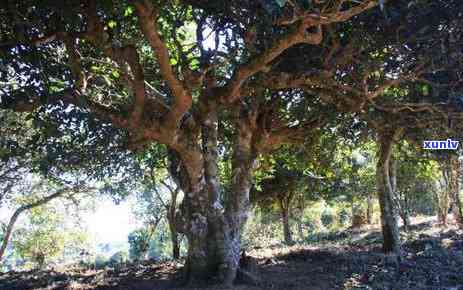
(415, 182)
(159, 194)
(32, 196)
(353, 180)
(39, 163)
(447, 195)
(282, 188)
(139, 242)
(41, 240)
(288, 182)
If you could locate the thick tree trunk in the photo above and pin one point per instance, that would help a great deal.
(196, 264)
(218, 228)
(237, 207)
(214, 230)
(197, 229)
(390, 229)
(187, 167)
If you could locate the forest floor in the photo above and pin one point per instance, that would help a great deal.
(344, 260)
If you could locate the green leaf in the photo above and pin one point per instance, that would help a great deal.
(128, 11)
(115, 74)
(194, 64)
(112, 24)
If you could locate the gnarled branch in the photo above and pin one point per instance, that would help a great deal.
(182, 97)
(299, 34)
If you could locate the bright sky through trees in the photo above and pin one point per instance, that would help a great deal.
(110, 222)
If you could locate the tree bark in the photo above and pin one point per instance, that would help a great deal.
(18, 212)
(406, 213)
(393, 172)
(237, 201)
(197, 228)
(171, 211)
(213, 223)
(217, 225)
(284, 208)
(455, 190)
(402, 205)
(187, 168)
(405, 219)
(390, 229)
(286, 229)
(443, 196)
(214, 230)
(172, 227)
(443, 206)
(174, 240)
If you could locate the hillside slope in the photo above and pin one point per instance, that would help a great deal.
(344, 260)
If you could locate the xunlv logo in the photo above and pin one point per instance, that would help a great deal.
(449, 144)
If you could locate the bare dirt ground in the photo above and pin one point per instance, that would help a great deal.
(345, 260)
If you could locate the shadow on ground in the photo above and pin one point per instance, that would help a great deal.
(433, 260)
